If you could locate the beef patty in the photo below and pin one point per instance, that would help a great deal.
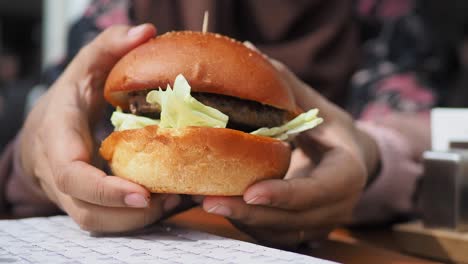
(243, 115)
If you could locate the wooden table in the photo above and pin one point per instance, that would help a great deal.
(342, 245)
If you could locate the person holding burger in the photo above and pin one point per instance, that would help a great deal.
(337, 173)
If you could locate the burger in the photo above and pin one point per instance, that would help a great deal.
(200, 113)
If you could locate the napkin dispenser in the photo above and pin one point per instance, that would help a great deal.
(444, 189)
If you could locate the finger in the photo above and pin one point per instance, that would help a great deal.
(73, 174)
(100, 219)
(87, 183)
(82, 82)
(301, 165)
(100, 55)
(234, 208)
(337, 176)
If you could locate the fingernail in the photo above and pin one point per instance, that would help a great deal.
(259, 200)
(171, 202)
(136, 200)
(136, 30)
(220, 210)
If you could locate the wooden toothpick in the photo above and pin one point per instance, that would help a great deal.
(205, 22)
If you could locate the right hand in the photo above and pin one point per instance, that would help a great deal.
(327, 174)
(56, 143)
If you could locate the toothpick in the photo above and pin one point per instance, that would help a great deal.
(205, 22)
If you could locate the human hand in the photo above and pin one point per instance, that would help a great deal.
(57, 144)
(322, 186)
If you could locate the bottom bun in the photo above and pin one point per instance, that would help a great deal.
(195, 160)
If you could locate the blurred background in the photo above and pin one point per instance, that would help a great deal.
(413, 53)
(426, 37)
(33, 32)
(32, 36)
(20, 38)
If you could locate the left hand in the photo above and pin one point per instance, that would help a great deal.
(327, 174)
(57, 144)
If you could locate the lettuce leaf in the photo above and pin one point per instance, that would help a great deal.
(179, 109)
(122, 121)
(302, 122)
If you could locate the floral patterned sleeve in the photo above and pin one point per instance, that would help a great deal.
(391, 99)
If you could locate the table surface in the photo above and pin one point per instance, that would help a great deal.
(344, 246)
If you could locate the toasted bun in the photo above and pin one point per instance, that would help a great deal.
(210, 62)
(195, 160)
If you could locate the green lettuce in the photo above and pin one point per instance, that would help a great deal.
(302, 122)
(179, 109)
(122, 121)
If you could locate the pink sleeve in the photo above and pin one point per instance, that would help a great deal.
(21, 196)
(391, 193)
